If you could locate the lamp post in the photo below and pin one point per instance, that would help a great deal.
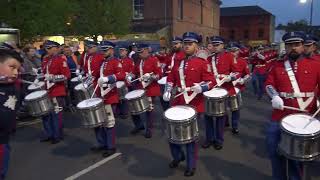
(311, 9)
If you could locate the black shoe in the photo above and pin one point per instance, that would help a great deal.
(206, 144)
(136, 130)
(148, 135)
(235, 131)
(109, 152)
(97, 148)
(175, 163)
(189, 173)
(218, 146)
(45, 139)
(55, 141)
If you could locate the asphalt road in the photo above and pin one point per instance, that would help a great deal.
(242, 157)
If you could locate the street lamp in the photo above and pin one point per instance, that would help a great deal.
(311, 9)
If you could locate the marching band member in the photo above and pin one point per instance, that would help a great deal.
(149, 71)
(56, 71)
(259, 71)
(291, 82)
(110, 72)
(191, 72)
(243, 69)
(128, 67)
(310, 46)
(224, 70)
(178, 53)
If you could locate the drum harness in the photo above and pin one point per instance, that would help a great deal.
(109, 86)
(296, 90)
(184, 88)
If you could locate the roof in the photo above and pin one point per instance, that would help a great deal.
(243, 11)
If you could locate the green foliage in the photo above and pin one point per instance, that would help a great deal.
(66, 17)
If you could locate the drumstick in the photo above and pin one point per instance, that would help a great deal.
(94, 91)
(187, 90)
(138, 78)
(293, 108)
(311, 119)
(27, 82)
(314, 115)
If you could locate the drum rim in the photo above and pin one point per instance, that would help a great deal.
(90, 107)
(90, 85)
(143, 94)
(220, 97)
(191, 118)
(38, 87)
(40, 97)
(296, 134)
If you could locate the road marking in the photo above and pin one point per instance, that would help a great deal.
(92, 167)
(21, 124)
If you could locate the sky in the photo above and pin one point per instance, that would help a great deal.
(284, 10)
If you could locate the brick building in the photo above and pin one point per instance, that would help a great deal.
(174, 17)
(252, 25)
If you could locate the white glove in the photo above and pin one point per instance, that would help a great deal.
(166, 96)
(102, 80)
(36, 81)
(196, 88)
(241, 81)
(260, 56)
(80, 77)
(35, 70)
(227, 78)
(277, 102)
(78, 72)
(146, 77)
(48, 77)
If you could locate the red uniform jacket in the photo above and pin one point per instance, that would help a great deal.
(57, 65)
(243, 69)
(178, 57)
(112, 66)
(150, 65)
(308, 78)
(95, 64)
(260, 64)
(225, 64)
(127, 65)
(196, 70)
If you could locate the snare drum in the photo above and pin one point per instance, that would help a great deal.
(182, 125)
(300, 137)
(74, 82)
(82, 93)
(137, 101)
(36, 86)
(92, 112)
(122, 89)
(216, 102)
(235, 101)
(38, 103)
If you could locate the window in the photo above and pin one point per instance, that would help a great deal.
(246, 34)
(231, 35)
(260, 33)
(201, 11)
(138, 7)
(180, 9)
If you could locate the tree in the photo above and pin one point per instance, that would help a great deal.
(301, 25)
(66, 17)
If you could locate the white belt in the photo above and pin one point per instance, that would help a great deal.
(296, 95)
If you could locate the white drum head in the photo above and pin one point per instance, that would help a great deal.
(35, 95)
(301, 124)
(120, 84)
(134, 94)
(179, 113)
(216, 92)
(36, 86)
(89, 102)
(75, 79)
(163, 80)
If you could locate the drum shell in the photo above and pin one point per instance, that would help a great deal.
(93, 116)
(182, 132)
(122, 91)
(299, 147)
(216, 106)
(235, 102)
(38, 89)
(83, 94)
(39, 106)
(73, 83)
(138, 105)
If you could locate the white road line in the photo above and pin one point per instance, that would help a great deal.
(21, 124)
(92, 167)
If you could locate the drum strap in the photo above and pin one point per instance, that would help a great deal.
(48, 84)
(187, 98)
(214, 58)
(109, 86)
(144, 84)
(172, 61)
(295, 86)
(89, 66)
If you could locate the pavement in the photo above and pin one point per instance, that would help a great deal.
(243, 156)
